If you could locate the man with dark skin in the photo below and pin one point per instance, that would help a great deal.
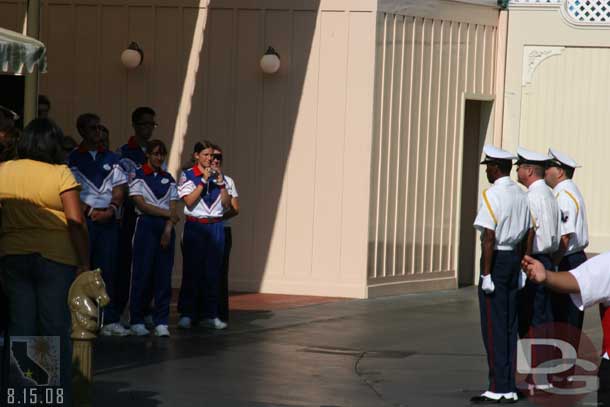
(503, 220)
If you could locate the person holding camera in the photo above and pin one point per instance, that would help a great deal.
(203, 190)
(230, 212)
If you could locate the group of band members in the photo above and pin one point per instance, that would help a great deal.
(548, 223)
(130, 203)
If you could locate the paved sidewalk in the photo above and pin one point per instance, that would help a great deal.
(411, 350)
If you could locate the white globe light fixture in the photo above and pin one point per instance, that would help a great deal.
(133, 56)
(270, 62)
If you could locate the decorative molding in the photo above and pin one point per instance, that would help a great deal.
(533, 56)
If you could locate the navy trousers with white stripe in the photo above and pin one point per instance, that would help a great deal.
(104, 248)
(203, 252)
(151, 270)
(499, 321)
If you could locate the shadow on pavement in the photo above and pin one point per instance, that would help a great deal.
(115, 394)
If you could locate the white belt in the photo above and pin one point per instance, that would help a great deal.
(504, 247)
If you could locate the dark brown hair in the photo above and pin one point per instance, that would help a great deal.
(153, 144)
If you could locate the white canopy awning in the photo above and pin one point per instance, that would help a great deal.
(18, 51)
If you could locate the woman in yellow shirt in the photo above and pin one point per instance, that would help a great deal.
(43, 239)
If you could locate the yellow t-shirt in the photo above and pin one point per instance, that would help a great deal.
(33, 220)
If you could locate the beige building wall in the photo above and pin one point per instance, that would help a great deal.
(297, 143)
(557, 96)
(430, 60)
(348, 161)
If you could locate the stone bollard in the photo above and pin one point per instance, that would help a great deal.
(85, 298)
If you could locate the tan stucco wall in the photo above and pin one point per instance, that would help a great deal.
(335, 157)
(296, 142)
(558, 97)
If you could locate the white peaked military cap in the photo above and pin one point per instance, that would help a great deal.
(495, 154)
(525, 156)
(562, 159)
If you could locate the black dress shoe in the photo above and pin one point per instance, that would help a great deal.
(481, 400)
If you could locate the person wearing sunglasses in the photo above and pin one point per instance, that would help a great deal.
(229, 212)
(132, 156)
(154, 193)
(103, 183)
(203, 190)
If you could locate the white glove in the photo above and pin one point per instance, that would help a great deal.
(487, 285)
(522, 279)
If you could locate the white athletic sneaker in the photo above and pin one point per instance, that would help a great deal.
(161, 330)
(214, 323)
(139, 330)
(114, 329)
(184, 323)
(148, 321)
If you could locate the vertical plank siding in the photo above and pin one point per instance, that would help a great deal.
(426, 66)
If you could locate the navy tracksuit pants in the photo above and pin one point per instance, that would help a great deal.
(223, 309)
(535, 307)
(104, 249)
(151, 270)
(203, 252)
(499, 321)
(128, 225)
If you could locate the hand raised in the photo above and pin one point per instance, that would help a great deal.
(535, 270)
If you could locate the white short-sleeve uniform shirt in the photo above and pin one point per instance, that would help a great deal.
(504, 209)
(593, 277)
(545, 217)
(573, 215)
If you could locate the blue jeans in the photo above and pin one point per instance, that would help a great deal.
(37, 291)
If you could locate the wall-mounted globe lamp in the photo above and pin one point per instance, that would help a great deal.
(133, 56)
(270, 62)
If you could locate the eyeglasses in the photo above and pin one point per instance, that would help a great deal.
(217, 157)
(151, 124)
